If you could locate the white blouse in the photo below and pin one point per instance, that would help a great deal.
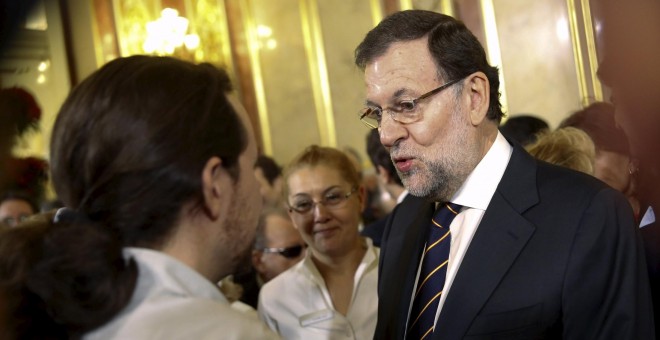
(297, 304)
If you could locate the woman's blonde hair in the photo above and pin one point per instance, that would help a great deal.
(568, 147)
(315, 155)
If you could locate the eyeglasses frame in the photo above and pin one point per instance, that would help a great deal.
(314, 203)
(368, 110)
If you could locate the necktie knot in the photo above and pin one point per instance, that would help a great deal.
(445, 213)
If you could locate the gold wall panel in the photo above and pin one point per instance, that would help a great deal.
(537, 53)
(344, 25)
(285, 75)
(313, 37)
(493, 47)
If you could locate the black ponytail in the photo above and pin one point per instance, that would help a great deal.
(61, 280)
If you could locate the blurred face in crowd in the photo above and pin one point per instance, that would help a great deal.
(435, 154)
(14, 211)
(286, 247)
(613, 169)
(325, 208)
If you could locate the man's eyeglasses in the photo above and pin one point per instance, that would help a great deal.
(289, 252)
(331, 200)
(404, 112)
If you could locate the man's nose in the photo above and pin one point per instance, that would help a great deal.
(390, 131)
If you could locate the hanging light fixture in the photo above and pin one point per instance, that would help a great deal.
(167, 33)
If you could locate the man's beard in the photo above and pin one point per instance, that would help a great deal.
(438, 184)
(241, 233)
(439, 180)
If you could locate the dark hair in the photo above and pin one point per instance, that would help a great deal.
(260, 235)
(523, 129)
(269, 168)
(127, 151)
(597, 120)
(456, 51)
(379, 155)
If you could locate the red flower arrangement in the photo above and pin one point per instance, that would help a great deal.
(19, 112)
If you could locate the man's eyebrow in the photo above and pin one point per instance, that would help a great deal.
(397, 94)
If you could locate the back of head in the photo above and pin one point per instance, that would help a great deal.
(323, 156)
(597, 120)
(379, 155)
(568, 147)
(130, 143)
(456, 51)
(523, 129)
(127, 150)
(269, 168)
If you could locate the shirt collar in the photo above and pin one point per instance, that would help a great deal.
(369, 259)
(479, 187)
(173, 274)
(402, 196)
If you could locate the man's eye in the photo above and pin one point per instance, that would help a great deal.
(407, 105)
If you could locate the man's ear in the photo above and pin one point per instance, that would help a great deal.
(479, 97)
(216, 184)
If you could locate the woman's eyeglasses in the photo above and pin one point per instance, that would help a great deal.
(289, 252)
(333, 199)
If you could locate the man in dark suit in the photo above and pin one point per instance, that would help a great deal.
(630, 67)
(536, 251)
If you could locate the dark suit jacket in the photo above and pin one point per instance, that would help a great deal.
(375, 230)
(651, 237)
(556, 255)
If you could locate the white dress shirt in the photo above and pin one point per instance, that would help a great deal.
(474, 195)
(402, 196)
(297, 304)
(173, 301)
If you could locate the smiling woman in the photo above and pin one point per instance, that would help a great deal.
(333, 290)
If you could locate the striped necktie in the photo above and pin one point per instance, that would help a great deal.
(432, 276)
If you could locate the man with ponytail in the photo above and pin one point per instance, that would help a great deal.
(154, 159)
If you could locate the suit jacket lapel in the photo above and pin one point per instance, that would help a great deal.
(501, 235)
(404, 245)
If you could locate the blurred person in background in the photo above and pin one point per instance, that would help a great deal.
(277, 247)
(15, 208)
(269, 175)
(154, 159)
(630, 67)
(523, 128)
(613, 162)
(331, 293)
(568, 147)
